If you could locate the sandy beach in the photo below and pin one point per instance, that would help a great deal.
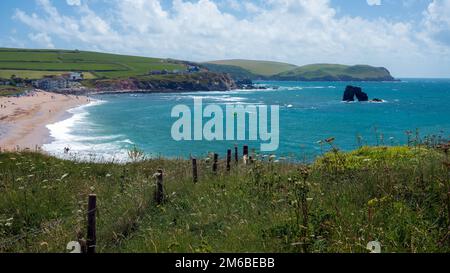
(23, 120)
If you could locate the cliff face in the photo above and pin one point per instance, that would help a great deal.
(203, 81)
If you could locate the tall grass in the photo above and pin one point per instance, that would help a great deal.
(339, 203)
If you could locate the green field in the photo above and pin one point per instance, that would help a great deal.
(37, 74)
(394, 195)
(264, 68)
(98, 64)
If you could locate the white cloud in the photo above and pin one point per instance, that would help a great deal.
(295, 31)
(374, 2)
(250, 7)
(73, 2)
(42, 39)
(234, 4)
(437, 15)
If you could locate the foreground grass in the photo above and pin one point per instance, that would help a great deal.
(396, 195)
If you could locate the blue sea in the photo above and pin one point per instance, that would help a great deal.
(310, 112)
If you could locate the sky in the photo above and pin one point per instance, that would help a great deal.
(409, 37)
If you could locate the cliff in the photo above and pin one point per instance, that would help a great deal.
(203, 81)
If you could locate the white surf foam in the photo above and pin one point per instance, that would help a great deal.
(84, 148)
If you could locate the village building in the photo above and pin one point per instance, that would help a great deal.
(76, 76)
(65, 81)
(52, 83)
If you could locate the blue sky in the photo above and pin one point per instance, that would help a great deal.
(409, 37)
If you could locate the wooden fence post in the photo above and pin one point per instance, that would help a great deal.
(214, 168)
(194, 170)
(228, 160)
(448, 210)
(91, 241)
(245, 154)
(159, 193)
(236, 154)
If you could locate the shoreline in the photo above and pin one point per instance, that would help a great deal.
(24, 119)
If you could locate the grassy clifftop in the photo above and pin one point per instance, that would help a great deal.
(31, 63)
(395, 195)
(336, 72)
(262, 68)
(287, 72)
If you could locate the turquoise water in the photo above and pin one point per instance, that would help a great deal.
(309, 112)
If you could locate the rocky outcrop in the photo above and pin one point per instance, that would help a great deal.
(204, 81)
(352, 91)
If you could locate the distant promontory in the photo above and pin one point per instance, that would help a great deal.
(264, 70)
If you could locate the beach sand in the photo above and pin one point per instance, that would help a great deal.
(23, 122)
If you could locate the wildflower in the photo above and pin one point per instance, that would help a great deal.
(372, 202)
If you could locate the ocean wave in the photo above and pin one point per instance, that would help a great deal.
(82, 147)
(224, 98)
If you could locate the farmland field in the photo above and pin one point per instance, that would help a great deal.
(38, 63)
(37, 74)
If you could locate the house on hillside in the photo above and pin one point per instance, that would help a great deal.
(193, 69)
(155, 72)
(76, 76)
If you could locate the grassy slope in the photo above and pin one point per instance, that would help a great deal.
(238, 73)
(282, 71)
(264, 68)
(335, 71)
(100, 64)
(394, 195)
(37, 74)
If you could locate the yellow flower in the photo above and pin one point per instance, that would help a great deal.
(373, 202)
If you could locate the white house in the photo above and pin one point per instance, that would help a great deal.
(76, 76)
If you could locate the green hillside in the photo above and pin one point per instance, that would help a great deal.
(238, 73)
(240, 69)
(263, 68)
(336, 72)
(35, 64)
(20, 62)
